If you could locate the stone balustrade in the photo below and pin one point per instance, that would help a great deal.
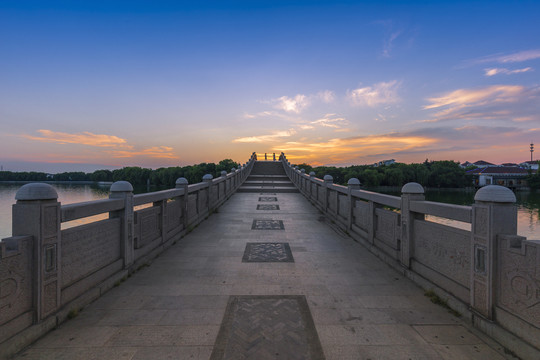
(47, 272)
(486, 272)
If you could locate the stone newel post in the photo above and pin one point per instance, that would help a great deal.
(353, 184)
(409, 192)
(123, 190)
(182, 183)
(328, 180)
(207, 179)
(494, 213)
(37, 213)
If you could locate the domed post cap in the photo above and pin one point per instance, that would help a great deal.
(233, 169)
(36, 191)
(223, 173)
(181, 181)
(354, 183)
(312, 174)
(207, 177)
(328, 179)
(495, 194)
(412, 188)
(121, 186)
(303, 171)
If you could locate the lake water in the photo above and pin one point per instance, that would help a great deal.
(528, 204)
(67, 194)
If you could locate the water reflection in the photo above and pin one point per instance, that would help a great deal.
(67, 194)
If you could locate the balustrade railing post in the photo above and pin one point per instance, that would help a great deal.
(182, 183)
(494, 213)
(124, 190)
(207, 179)
(311, 179)
(409, 192)
(328, 180)
(37, 213)
(353, 184)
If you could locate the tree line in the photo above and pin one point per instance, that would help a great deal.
(442, 174)
(137, 176)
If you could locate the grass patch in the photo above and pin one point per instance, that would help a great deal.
(436, 299)
(73, 313)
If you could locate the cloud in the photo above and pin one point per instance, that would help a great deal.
(120, 147)
(496, 102)
(326, 96)
(157, 152)
(467, 97)
(497, 71)
(266, 138)
(382, 93)
(295, 104)
(511, 58)
(84, 138)
(331, 121)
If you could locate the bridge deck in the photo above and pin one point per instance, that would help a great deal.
(207, 297)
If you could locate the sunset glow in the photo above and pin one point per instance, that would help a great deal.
(152, 84)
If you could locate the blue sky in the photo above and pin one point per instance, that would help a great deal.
(95, 84)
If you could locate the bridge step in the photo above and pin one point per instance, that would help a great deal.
(268, 177)
(266, 189)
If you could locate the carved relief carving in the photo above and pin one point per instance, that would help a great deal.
(50, 226)
(444, 249)
(519, 287)
(480, 221)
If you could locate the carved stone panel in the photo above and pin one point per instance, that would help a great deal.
(444, 249)
(16, 281)
(361, 213)
(88, 248)
(343, 206)
(519, 280)
(174, 214)
(387, 226)
(149, 223)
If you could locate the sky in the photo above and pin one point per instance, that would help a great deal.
(88, 85)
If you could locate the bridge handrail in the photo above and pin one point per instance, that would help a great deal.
(70, 212)
(461, 213)
(474, 266)
(66, 267)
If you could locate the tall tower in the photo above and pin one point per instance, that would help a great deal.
(532, 149)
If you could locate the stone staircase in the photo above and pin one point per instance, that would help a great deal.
(268, 177)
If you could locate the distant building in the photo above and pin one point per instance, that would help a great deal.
(510, 165)
(530, 165)
(465, 165)
(385, 163)
(509, 176)
(483, 164)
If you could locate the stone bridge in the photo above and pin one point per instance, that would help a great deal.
(267, 262)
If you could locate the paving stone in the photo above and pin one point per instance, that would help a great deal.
(164, 336)
(386, 352)
(267, 207)
(264, 224)
(268, 198)
(265, 327)
(173, 352)
(81, 353)
(467, 352)
(268, 252)
(447, 334)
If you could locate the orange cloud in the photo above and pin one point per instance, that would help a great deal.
(467, 97)
(158, 152)
(84, 138)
